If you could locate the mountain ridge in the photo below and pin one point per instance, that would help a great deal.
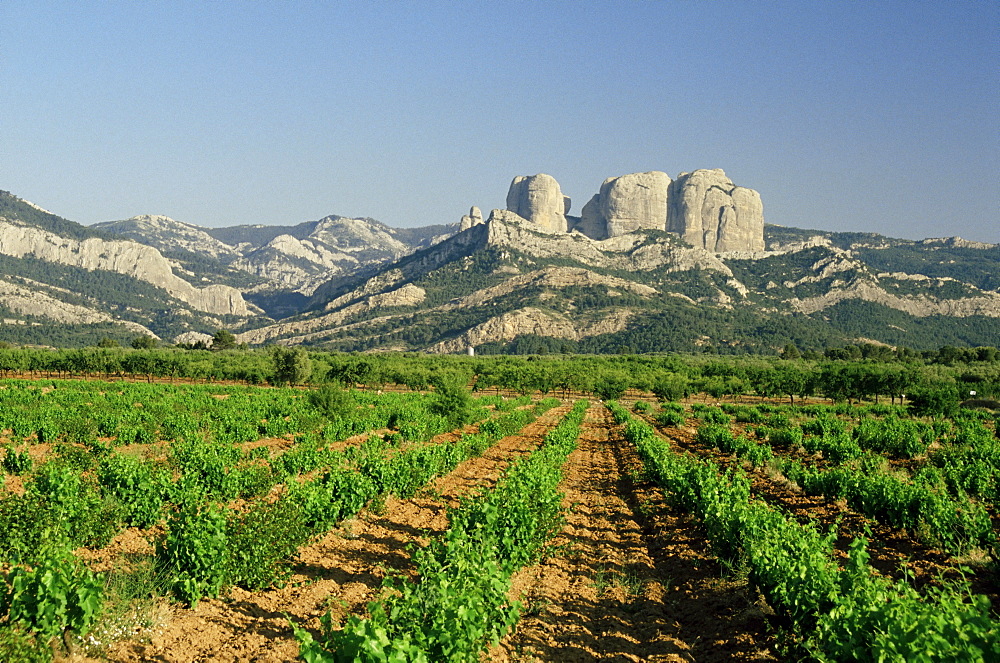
(507, 283)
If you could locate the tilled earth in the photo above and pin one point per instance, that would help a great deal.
(628, 580)
(340, 572)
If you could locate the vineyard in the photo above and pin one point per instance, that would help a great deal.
(222, 522)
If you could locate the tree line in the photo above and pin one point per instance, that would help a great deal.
(937, 381)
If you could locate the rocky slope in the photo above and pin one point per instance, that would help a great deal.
(652, 264)
(508, 278)
(57, 271)
(290, 258)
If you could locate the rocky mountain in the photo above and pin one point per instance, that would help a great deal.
(653, 263)
(278, 267)
(704, 207)
(56, 272)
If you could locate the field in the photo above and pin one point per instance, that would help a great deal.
(241, 523)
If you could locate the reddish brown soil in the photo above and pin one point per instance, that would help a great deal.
(629, 581)
(341, 572)
(628, 578)
(892, 549)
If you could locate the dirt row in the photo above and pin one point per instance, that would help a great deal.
(340, 572)
(892, 549)
(628, 579)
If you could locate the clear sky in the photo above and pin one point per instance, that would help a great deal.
(868, 116)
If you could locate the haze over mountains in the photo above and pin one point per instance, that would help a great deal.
(652, 263)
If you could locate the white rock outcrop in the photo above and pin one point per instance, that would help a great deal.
(124, 257)
(711, 212)
(539, 199)
(473, 218)
(627, 203)
(192, 337)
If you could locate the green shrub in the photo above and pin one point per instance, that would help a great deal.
(193, 553)
(668, 417)
(262, 542)
(16, 462)
(56, 594)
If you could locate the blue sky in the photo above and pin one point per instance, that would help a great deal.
(868, 116)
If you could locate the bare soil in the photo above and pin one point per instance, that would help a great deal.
(340, 572)
(629, 580)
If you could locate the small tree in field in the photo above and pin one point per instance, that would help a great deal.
(451, 399)
(291, 365)
(143, 342)
(223, 340)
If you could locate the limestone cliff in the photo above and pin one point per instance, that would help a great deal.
(538, 199)
(628, 203)
(124, 257)
(711, 212)
(473, 218)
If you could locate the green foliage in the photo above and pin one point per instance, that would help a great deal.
(75, 501)
(670, 417)
(223, 339)
(331, 497)
(138, 486)
(452, 400)
(713, 415)
(956, 525)
(642, 407)
(16, 462)
(899, 438)
(18, 644)
(56, 594)
(722, 439)
(262, 542)
(291, 365)
(144, 342)
(27, 524)
(934, 400)
(611, 385)
(333, 402)
(459, 607)
(193, 555)
(838, 615)
(878, 620)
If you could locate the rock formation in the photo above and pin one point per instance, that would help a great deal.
(473, 218)
(626, 204)
(711, 212)
(124, 257)
(538, 199)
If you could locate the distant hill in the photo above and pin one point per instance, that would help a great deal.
(504, 284)
(67, 283)
(278, 267)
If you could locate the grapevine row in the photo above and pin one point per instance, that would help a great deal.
(840, 614)
(459, 603)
